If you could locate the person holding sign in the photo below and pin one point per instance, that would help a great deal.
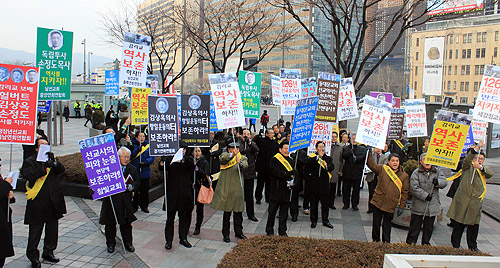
(228, 195)
(142, 161)
(466, 206)
(425, 183)
(6, 198)
(45, 205)
(389, 196)
(249, 149)
(282, 175)
(317, 169)
(122, 206)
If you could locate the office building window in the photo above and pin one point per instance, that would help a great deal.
(454, 85)
(468, 53)
(451, 54)
(476, 87)
(476, 69)
(464, 38)
(478, 52)
(478, 37)
(466, 86)
(463, 70)
(456, 53)
(461, 86)
(484, 36)
(418, 41)
(449, 70)
(415, 87)
(449, 85)
(467, 70)
(464, 99)
(438, 99)
(464, 53)
(481, 70)
(496, 35)
(483, 52)
(495, 52)
(469, 38)
(416, 70)
(416, 56)
(427, 99)
(456, 68)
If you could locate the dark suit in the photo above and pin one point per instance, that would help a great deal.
(199, 180)
(317, 186)
(122, 204)
(279, 195)
(267, 149)
(6, 247)
(354, 162)
(45, 209)
(300, 156)
(213, 158)
(250, 151)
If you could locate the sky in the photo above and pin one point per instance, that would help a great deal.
(19, 20)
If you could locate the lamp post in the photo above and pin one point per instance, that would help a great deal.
(90, 74)
(84, 43)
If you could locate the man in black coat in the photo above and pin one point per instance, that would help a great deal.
(249, 149)
(268, 147)
(45, 205)
(6, 198)
(212, 154)
(317, 169)
(300, 156)
(180, 197)
(122, 203)
(354, 156)
(281, 170)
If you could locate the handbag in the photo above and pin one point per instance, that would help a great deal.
(206, 193)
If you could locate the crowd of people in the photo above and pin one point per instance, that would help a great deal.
(231, 164)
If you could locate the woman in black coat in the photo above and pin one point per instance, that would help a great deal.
(201, 172)
(66, 112)
(318, 183)
(6, 197)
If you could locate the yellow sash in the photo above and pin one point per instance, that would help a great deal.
(394, 179)
(144, 148)
(400, 145)
(320, 161)
(483, 179)
(231, 163)
(456, 176)
(283, 161)
(33, 192)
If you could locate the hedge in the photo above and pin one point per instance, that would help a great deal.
(276, 251)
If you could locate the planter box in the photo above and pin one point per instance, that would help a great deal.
(428, 261)
(82, 191)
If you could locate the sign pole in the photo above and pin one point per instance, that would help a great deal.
(116, 218)
(364, 167)
(165, 184)
(239, 172)
(49, 123)
(61, 123)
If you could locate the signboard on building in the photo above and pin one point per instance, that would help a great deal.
(446, 9)
(432, 73)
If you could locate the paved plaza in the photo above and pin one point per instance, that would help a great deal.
(82, 242)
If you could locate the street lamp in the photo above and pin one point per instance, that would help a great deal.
(90, 74)
(84, 43)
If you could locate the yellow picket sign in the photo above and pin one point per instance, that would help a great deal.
(446, 144)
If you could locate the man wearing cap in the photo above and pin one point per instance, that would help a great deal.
(228, 195)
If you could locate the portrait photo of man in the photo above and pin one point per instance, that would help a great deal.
(194, 102)
(250, 78)
(17, 75)
(55, 40)
(4, 74)
(32, 76)
(162, 105)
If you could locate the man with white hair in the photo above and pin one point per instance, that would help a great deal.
(122, 204)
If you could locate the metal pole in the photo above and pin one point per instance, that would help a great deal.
(474, 172)
(283, 44)
(116, 218)
(239, 172)
(84, 54)
(10, 162)
(49, 123)
(183, 47)
(90, 74)
(165, 184)
(364, 167)
(61, 123)
(54, 111)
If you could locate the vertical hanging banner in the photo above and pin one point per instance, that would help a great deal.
(308, 87)
(163, 125)
(135, 58)
(54, 55)
(195, 119)
(250, 84)
(347, 106)
(396, 125)
(18, 103)
(432, 74)
(111, 83)
(139, 102)
(374, 122)
(102, 165)
(448, 139)
(276, 89)
(487, 106)
(416, 118)
(328, 92)
(322, 131)
(303, 123)
(227, 100)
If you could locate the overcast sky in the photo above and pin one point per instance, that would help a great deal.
(20, 18)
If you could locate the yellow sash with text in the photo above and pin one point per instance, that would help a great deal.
(394, 179)
(320, 161)
(143, 149)
(483, 179)
(400, 145)
(283, 161)
(231, 162)
(33, 192)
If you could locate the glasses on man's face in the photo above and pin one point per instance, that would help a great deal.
(125, 157)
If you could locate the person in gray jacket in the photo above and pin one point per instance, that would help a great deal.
(425, 183)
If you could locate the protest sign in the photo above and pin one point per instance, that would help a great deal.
(322, 131)
(303, 123)
(195, 120)
(135, 59)
(54, 55)
(328, 92)
(44, 106)
(227, 100)
(479, 130)
(163, 125)
(290, 94)
(396, 103)
(487, 106)
(308, 87)
(276, 89)
(18, 104)
(469, 141)
(448, 139)
(374, 122)
(213, 119)
(111, 83)
(396, 125)
(250, 84)
(290, 73)
(382, 96)
(416, 119)
(139, 101)
(347, 107)
(152, 83)
(102, 165)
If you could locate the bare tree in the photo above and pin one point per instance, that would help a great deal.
(166, 38)
(223, 29)
(386, 78)
(351, 21)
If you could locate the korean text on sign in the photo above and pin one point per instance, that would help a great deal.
(18, 104)
(290, 94)
(374, 122)
(347, 106)
(139, 102)
(195, 120)
(308, 87)
(328, 91)
(227, 100)
(135, 58)
(250, 84)
(276, 89)
(163, 125)
(487, 106)
(322, 131)
(303, 123)
(416, 118)
(102, 165)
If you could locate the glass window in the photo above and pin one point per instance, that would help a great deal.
(468, 53)
(415, 85)
(464, 53)
(466, 86)
(456, 68)
(418, 41)
(416, 56)
(476, 86)
(454, 85)
(462, 86)
(449, 85)
(496, 35)
(449, 70)
(451, 54)
(478, 52)
(469, 37)
(464, 99)
(438, 99)
(463, 70)
(416, 70)
(465, 38)
(476, 71)
(484, 36)
(495, 52)
(483, 52)
(481, 71)
(478, 37)
(456, 53)
(427, 99)
(467, 70)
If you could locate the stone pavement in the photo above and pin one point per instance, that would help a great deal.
(82, 243)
